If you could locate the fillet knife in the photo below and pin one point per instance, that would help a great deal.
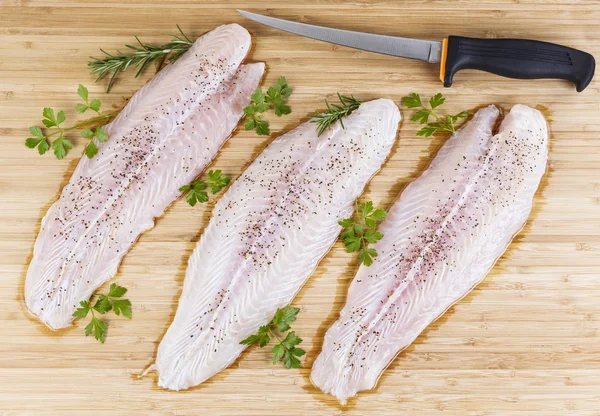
(512, 58)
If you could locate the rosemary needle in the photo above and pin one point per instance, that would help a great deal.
(334, 113)
(142, 56)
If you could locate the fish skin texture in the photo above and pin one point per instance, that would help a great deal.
(164, 138)
(266, 236)
(441, 238)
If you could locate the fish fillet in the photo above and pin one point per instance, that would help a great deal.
(441, 238)
(267, 235)
(165, 136)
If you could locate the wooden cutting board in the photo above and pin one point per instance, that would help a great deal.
(525, 341)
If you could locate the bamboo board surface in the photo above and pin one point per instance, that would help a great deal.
(525, 341)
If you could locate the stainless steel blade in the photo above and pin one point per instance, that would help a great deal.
(425, 50)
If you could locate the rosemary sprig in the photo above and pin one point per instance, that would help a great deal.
(142, 56)
(334, 113)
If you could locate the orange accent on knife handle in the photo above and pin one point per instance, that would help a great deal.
(443, 60)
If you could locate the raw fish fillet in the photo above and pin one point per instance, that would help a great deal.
(165, 136)
(440, 239)
(266, 236)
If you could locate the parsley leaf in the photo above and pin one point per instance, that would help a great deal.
(91, 149)
(197, 189)
(39, 140)
(94, 105)
(250, 123)
(262, 127)
(87, 133)
(291, 352)
(99, 329)
(122, 306)
(278, 353)
(436, 100)
(104, 304)
(51, 120)
(283, 317)
(196, 192)
(100, 134)
(422, 116)
(412, 101)
(83, 310)
(427, 131)
(116, 291)
(290, 361)
(261, 338)
(61, 146)
(366, 255)
(82, 91)
(217, 181)
(285, 350)
(291, 340)
(258, 101)
(361, 230)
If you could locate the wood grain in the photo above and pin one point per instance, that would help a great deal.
(525, 341)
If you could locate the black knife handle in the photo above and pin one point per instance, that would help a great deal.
(517, 58)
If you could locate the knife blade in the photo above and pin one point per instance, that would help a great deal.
(512, 58)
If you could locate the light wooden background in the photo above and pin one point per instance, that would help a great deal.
(526, 341)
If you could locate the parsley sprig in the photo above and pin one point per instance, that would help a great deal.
(276, 98)
(441, 123)
(285, 350)
(361, 230)
(104, 303)
(197, 189)
(53, 120)
(143, 55)
(334, 113)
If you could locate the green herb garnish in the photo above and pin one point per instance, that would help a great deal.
(53, 120)
(276, 98)
(98, 134)
(253, 121)
(197, 189)
(361, 230)
(334, 113)
(142, 56)
(104, 304)
(285, 349)
(441, 123)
